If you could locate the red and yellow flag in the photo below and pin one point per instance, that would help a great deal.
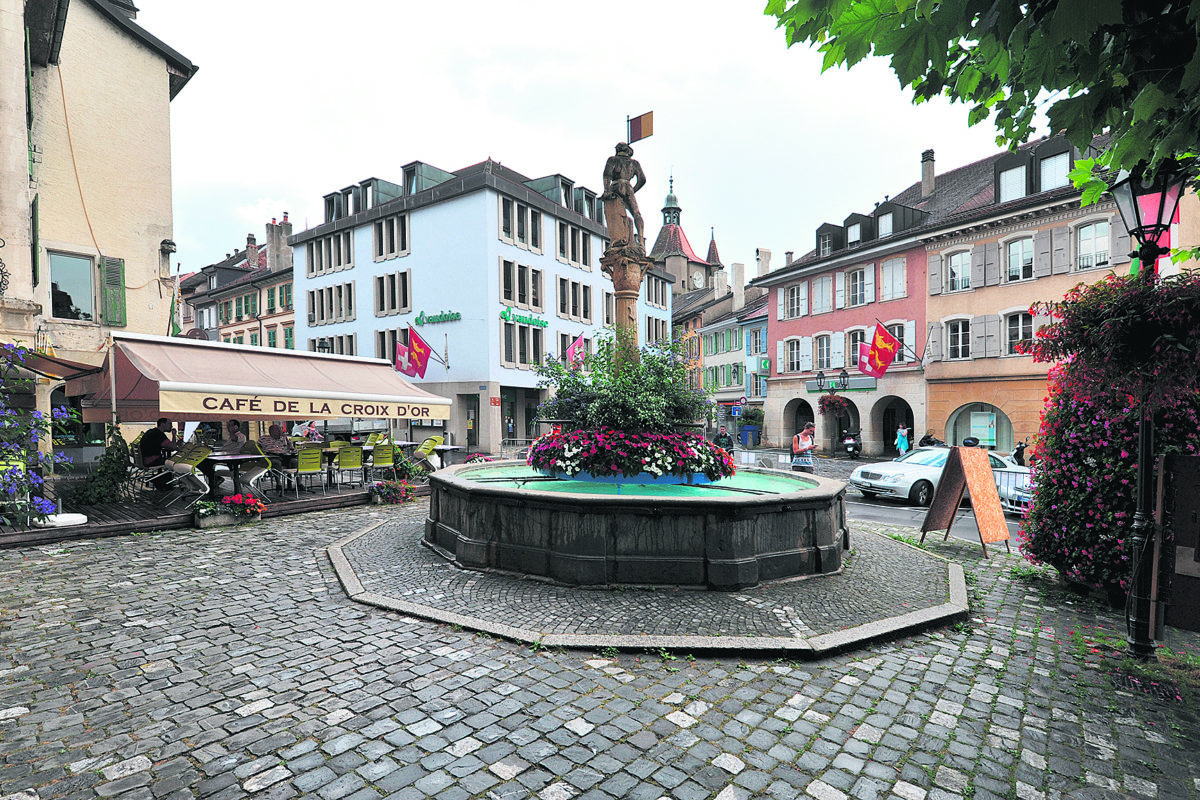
(875, 358)
(640, 127)
(413, 359)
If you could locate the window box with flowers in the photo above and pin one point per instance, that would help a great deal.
(235, 509)
(387, 493)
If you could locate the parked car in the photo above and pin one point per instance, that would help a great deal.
(915, 477)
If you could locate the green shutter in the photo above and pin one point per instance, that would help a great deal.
(238, 307)
(272, 341)
(270, 299)
(113, 292)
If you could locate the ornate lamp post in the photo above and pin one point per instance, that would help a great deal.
(1147, 204)
(840, 382)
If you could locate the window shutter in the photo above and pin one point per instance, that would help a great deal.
(113, 289)
(869, 283)
(780, 357)
(806, 354)
(991, 331)
(991, 264)
(1041, 254)
(839, 292)
(1060, 256)
(978, 337)
(977, 273)
(804, 298)
(910, 339)
(747, 338)
(1119, 250)
(935, 273)
(837, 350)
(780, 298)
(934, 351)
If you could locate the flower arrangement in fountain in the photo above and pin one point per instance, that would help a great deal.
(240, 506)
(619, 413)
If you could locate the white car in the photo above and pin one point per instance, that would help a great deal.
(915, 476)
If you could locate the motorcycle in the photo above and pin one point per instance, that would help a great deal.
(929, 440)
(852, 443)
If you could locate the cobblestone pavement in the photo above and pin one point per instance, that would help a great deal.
(230, 663)
(884, 586)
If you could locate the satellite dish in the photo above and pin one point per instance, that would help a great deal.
(196, 333)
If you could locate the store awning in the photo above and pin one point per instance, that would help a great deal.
(51, 366)
(157, 376)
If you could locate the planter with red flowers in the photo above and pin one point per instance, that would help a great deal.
(237, 509)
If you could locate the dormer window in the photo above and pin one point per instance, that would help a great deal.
(825, 244)
(883, 224)
(1012, 184)
(853, 234)
(1054, 171)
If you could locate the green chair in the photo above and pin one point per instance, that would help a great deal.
(308, 464)
(350, 459)
(383, 459)
(188, 475)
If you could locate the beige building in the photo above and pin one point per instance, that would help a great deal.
(85, 176)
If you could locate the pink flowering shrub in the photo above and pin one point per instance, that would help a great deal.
(1117, 340)
(607, 452)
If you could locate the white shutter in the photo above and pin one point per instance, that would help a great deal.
(837, 350)
(780, 357)
(780, 298)
(869, 272)
(806, 360)
(839, 293)
(935, 273)
(910, 340)
(804, 298)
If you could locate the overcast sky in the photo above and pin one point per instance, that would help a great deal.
(297, 99)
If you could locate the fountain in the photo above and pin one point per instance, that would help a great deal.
(622, 523)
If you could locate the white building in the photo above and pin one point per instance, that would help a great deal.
(496, 271)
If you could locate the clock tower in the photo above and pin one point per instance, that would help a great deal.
(673, 253)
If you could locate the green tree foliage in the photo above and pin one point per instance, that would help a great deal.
(1130, 68)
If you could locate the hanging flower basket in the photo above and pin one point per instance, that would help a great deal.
(834, 405)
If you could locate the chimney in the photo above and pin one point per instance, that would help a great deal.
(720, 283)
(764, 260)
(251, 251)
(279, 254)
(787, 257)
(926, 173)
(738, 285)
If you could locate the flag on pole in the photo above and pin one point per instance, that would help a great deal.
(576, 352)
(176, 309)
(641, 127)
(875, 358)
(418, 352)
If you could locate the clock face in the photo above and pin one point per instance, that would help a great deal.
(697, 279)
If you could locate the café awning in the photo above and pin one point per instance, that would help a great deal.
(156, 376)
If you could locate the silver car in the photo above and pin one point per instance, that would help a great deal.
(915, 476)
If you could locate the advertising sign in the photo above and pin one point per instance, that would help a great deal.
(983, 428)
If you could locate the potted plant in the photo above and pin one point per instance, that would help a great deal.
(620, 416)
(390, 493)
(229, 510)
(751, 425)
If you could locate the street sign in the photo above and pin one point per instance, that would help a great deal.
(735, 411)
(742, 400)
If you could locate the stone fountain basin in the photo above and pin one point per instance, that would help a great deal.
(760, 525)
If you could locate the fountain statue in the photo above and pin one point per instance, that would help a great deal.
(624, 260)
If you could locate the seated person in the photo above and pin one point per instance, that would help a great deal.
(275, 445)
(234, 439)
(156, 444)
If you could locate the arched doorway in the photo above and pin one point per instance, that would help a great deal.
(887, 415)
(797, 412)
(849, 420)
(983, 421)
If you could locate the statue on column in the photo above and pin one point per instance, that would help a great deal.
(624, 260)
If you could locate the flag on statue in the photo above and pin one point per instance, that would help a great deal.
(641, 127)
(875, 358)
(576, 352)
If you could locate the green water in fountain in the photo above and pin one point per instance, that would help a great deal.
(745, 482)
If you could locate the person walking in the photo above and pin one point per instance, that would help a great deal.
(803, 445)
(723, 439)
(902, 439)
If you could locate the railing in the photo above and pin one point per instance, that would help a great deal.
(1015, 490)
(514, 448)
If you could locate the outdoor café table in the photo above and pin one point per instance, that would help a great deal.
(443, 451)
(234, 461)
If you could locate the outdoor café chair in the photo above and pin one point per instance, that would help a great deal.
(187, 474)
(140, 474)
(253, 471)
(350, 459)
(308, 465)
(383, 459)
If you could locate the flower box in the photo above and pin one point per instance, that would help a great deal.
(223, 520)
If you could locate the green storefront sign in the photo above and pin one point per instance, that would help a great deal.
(509, 316)
(445, 316)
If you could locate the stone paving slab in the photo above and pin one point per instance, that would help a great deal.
(886, 588)
(230, 664)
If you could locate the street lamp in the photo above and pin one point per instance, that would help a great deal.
(1147, 204)
(840, 382)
